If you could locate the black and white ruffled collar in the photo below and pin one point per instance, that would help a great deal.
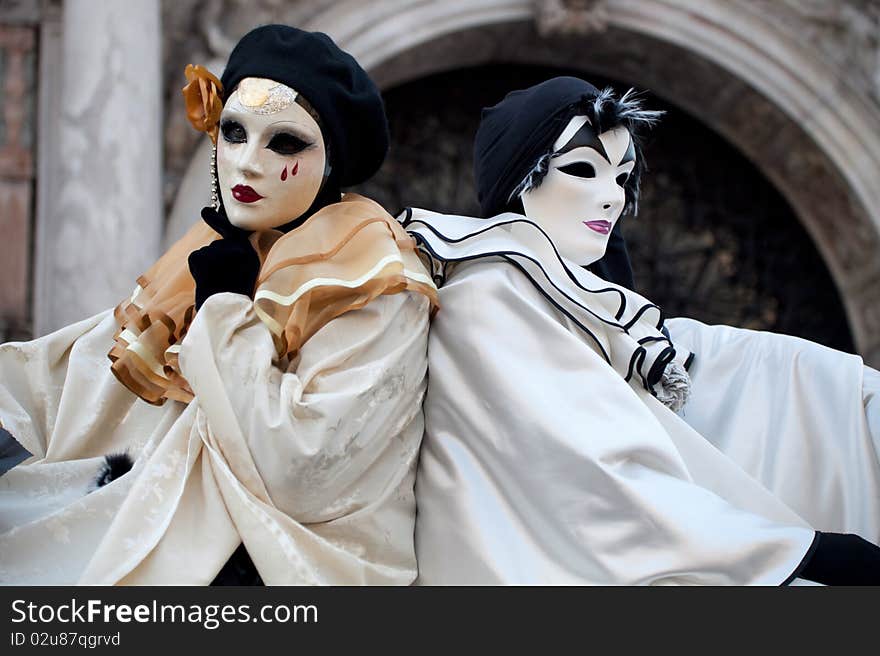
(623, 327)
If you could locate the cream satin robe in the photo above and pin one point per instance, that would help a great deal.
(541, 465)
(312, 466)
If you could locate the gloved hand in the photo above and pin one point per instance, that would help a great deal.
(843, 559)
(229, 264)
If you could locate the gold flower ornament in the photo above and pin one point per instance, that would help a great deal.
(203, 96)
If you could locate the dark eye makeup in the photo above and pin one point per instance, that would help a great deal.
(285, 143)
(233, 131)
(579, 169)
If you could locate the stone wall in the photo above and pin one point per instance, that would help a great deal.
(846, 32)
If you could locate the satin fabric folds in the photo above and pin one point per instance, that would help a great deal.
(300, 440)
(541, 464)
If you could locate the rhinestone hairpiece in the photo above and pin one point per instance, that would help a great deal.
(262, 96)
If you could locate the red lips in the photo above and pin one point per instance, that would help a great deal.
(245, 194)
(602, 227)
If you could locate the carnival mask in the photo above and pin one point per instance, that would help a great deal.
(582, 195)
(271, 155)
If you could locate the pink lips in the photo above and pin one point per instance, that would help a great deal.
(245, 194)
(602, 227)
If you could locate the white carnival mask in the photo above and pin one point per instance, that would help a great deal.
(582, 195)
(270, 155)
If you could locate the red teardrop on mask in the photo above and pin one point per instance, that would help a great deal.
(284, 174)
(295, 168)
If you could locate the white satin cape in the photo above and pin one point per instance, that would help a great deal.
(311, 467)
(540, 465)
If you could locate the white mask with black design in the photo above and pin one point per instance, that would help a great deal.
(582, 195)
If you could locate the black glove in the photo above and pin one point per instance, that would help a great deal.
(229, 264)
(843, 559)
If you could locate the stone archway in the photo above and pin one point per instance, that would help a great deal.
(765, 90)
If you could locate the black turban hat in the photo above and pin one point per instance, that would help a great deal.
(351, 111)
(515, 133)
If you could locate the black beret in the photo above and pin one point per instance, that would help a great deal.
(349, 104)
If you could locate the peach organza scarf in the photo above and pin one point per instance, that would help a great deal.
(343, 257)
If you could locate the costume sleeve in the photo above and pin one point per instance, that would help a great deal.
(542, 465)
(802, 418)
(330, 442)
(34, 374)
(871, 400)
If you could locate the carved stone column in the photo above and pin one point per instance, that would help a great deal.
(99, 217)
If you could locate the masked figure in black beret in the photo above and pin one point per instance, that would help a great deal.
(575, 436)
(263, 389)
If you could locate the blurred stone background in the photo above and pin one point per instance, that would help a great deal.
(761, 207)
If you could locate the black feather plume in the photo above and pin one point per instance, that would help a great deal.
(114, 466)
